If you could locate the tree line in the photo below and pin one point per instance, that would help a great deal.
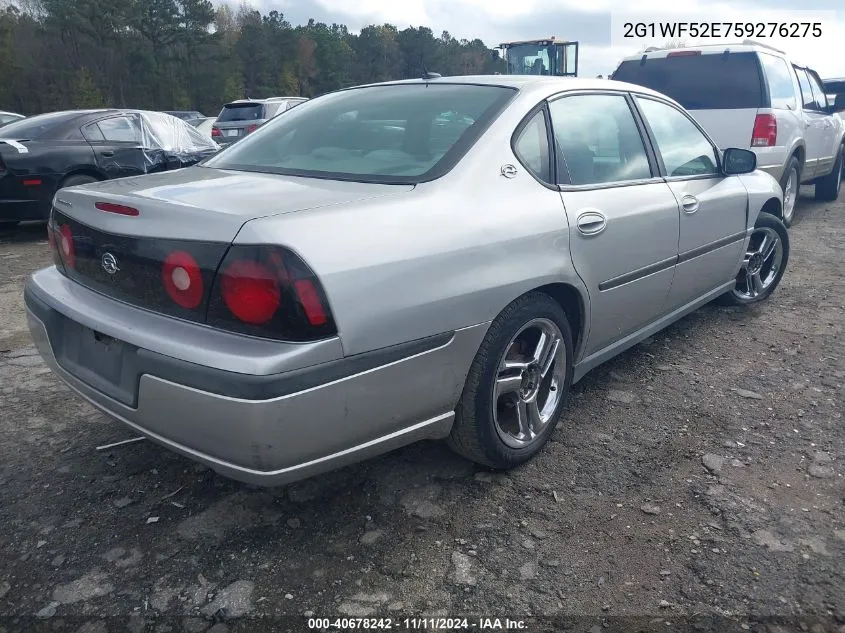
(193, 54)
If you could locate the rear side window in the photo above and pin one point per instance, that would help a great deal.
(597, 140)
(532, 147)
(121, 129)
(700, 82)
(779, 78)
(241, 112)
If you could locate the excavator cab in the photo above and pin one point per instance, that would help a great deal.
(556, 58)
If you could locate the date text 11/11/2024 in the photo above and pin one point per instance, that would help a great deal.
(420, 623)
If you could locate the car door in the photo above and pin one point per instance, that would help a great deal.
(623, 218)
(712, 207)
(117, 146)
(829, 132)
(813, 127)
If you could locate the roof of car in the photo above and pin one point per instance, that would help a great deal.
(746, 46)
(532, 83)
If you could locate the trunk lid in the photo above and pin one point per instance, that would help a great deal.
(195, 212)
(200, 203)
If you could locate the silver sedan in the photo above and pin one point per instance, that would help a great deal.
(435, 258)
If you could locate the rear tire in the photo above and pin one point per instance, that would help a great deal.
(77, 179)
(765, 262)
(827, 188)
(790, 184)
(507, 414)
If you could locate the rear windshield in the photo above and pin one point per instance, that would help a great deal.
(700, 82)
(400, 133)
(241, 112)
(41, 126)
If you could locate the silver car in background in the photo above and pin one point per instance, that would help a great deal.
(242, 117)
(421, 259)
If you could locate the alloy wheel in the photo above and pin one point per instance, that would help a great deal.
(760, 267)
(529, 383)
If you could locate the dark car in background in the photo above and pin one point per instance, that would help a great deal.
(242, 117)
(185, 115)
(835, 90)
(41, 154)
(9, 117)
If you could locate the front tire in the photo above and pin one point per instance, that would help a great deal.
(827, 188)
(766, 257)
(517, 386)
(790, 184)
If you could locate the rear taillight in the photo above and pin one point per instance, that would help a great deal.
(182, 279)
(251, 128)
(215, 131)
(251, 291)
(765, 132)
(67, 251)
(269, 291)
(51, 240)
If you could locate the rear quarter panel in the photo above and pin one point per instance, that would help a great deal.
(448, 255)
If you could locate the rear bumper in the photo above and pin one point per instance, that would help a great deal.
(271, 430)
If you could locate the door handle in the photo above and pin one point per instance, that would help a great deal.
(689, 203)
(591, 222)
(107, 154)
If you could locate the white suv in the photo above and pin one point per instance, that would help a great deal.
(751, 95)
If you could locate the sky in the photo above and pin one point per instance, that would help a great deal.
(598, 29)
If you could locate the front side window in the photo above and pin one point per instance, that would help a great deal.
(779, 78)
(532, 147)
(597, 140)
(818, 92)
(685, 150)
(393, 133)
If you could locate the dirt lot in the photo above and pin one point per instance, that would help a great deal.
(698, 476)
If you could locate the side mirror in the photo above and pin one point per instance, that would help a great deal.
(738, 161)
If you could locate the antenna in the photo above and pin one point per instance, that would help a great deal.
(426, 74)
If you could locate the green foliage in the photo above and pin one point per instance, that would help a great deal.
(198, 54)
(85, 92)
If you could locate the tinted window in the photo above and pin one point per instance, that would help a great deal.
(700, 82)
(241, 112)
(532, 147)
(779, 77)
(684, 149)
(597, 140)
(818, 92)
(41, 126)
(120, 128)
(92, 133)
(374, 134)
(807, 98)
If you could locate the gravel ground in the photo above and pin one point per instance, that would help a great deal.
(697, 477)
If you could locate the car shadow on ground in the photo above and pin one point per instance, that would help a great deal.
(26, 232)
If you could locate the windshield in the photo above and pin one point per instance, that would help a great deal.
(241, 112)
(530, 59)
(700, 82)
(399, 133)
(36, 127)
